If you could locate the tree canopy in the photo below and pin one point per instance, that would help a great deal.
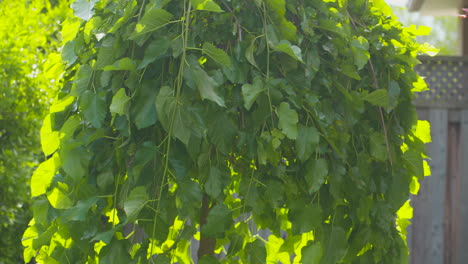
(202, 122)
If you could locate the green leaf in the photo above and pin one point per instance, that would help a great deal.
(58, 197)
(288, 119)
(222, 132)
(250, 92)
(190, 195)
(312, 253)
(336, 245)
(119, 102)
(135, 202)
(144, 112)
(105, 236)
(292, 50)
(162, 259)
(206, 85)
(378, 98)
(218, 221)
(172, 112)
(316, 173)
(208, 260)
(350, 71)
(360, 49)
(306, 142)
(151, 21)
(213, 185)
(206, 5)
(378, 148)
(255, 252)
(124, 64)
(50, 140)
(115, 252)
(155, 49)
(304, 218)
(68, 53)
(423, 131)
(105, 179)
(393, 93)
(218, 55)
(249, 54)
(44, 238)
(83, 9)
(236, 243)
(82, 80)
(61, 105)
(75, 161)
(80, 211)
(94, 108)
(43, 175)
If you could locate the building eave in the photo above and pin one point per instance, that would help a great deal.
(414, 5)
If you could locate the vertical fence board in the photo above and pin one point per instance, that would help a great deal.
(462, 237)
(452, 201)
(429, 206)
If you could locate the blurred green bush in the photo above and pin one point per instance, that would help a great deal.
(29, 32)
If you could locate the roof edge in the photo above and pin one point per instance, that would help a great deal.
(414, 5)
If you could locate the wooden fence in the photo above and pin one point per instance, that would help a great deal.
(439, 233)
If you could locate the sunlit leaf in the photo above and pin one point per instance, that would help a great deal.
(42, 176)
(83, 9)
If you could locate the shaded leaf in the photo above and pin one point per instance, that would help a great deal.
(255, 252)
(206, 85)
(68, 53)
(216, 54)
(316, 173)
(311, 254)
(173, 113)
(378, 97)
(82, 80)
(350, 71)
(249, 54)
(292, 50)
(360, 48)
(304, 218)
(155, 49)
(151, 21)
(124, 64)
(115, 252)
(208, 260)
(93, 107)
(288, 119)
(80, 211)
(75, 161)
(213, 185)
(336, 245)
(144, 112)
(218, 221)
(206, 5)
(306, 142)
(250, 92)
(119, 102)
(136, 200)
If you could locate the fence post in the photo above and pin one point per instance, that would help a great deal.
(462, 234)
(427, 233)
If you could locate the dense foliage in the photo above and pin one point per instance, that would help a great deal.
(200, 122)
(28, 33)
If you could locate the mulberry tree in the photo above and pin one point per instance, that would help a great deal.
(230, 131)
